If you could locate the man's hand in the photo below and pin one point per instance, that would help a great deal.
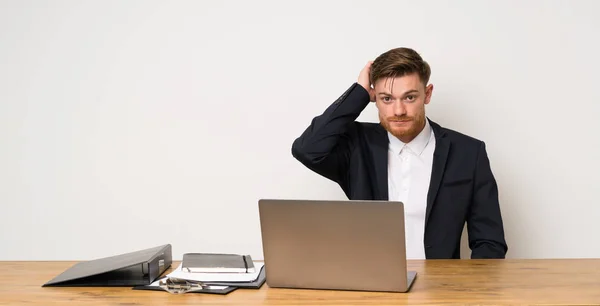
(363, 80)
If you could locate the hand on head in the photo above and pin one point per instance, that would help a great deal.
(364, 80)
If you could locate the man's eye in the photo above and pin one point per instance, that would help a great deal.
(386, 99)
(410, 98)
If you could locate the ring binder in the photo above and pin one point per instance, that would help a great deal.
(131, 269)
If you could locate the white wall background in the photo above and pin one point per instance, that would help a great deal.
(129, 124)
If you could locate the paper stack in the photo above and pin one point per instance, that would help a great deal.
(182, 281)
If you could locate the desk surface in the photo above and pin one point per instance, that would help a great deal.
(567, 281)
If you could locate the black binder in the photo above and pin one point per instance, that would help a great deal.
(130, 269)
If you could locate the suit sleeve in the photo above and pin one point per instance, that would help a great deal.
(484, 223)
(326, 144)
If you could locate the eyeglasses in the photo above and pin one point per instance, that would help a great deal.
(178, 286)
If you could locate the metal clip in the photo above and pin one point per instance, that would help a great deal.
(178, 286)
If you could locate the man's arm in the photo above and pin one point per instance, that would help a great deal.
(484, 223)
(325, 146)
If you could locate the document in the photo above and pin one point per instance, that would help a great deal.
(180, 281)
(217, 277)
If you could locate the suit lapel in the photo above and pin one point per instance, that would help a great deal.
(380, 160)
(440, 156)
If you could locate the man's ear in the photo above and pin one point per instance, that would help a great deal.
(372, 94)
(428, 92)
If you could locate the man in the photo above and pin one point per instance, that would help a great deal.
(443, 177)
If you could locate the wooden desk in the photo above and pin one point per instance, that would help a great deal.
(438, 282)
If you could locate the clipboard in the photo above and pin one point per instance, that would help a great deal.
(213, 287)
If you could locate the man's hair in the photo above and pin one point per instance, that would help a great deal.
(399, 62)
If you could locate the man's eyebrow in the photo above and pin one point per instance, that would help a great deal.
(385, 93)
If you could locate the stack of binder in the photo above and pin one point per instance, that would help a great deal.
(143, 270)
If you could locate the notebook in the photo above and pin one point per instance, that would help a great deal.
(217, 263)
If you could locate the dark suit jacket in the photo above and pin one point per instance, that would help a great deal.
(462, 187)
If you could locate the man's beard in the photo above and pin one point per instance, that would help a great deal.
(416, 124)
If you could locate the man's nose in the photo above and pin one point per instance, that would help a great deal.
(399, 109)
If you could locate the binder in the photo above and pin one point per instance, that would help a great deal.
(130, 269)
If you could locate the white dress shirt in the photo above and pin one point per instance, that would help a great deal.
(409, 174)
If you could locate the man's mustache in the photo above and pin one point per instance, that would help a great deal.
(401, 118)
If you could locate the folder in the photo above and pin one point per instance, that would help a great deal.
(130, 269)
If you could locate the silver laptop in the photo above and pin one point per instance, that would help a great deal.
(337, 245)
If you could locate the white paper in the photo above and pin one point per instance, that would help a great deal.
(218, 277)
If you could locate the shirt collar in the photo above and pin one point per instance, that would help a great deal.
(417, 145)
